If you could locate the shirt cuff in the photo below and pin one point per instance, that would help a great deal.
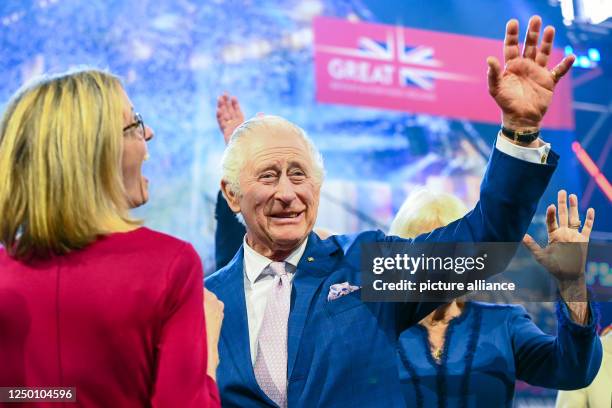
(537, 155)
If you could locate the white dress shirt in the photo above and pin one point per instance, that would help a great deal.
(258, 286)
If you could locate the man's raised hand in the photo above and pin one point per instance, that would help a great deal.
(524, 88)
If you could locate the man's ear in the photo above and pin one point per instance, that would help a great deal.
(230, 196)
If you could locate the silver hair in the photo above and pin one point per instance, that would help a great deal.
(234, 157)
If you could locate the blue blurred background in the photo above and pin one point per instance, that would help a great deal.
(177, 56)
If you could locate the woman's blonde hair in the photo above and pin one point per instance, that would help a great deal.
(60, 164)
(423, 211)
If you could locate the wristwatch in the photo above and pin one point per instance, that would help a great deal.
(523, 136)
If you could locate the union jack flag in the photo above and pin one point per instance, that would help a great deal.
(416, 65)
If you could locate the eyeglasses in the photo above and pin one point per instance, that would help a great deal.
(138, 124)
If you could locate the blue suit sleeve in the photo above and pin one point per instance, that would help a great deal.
(566, 362)
(228, 234)
(509, 195)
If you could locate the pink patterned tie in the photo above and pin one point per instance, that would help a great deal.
(271, 361)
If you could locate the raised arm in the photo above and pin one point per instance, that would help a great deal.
(516, 178)
(229, 231)
(570, 360)
(519, 168)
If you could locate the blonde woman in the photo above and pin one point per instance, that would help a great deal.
(469, 354)
(89, 298)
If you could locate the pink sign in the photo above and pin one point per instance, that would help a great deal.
(417, 71)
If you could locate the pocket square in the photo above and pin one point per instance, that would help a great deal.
(340, 289)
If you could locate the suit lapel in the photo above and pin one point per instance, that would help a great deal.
(314, 267)
(235, 330)
(235, 326)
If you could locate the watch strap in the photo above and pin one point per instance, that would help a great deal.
(525, 136)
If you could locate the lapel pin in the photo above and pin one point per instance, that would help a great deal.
(310, 259)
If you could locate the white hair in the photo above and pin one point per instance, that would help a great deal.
(424, 211)
(234, 157)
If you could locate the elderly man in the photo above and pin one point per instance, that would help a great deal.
(286, 341)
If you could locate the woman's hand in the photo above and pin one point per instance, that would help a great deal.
(564, 262)
(565, 255)
(213, 312)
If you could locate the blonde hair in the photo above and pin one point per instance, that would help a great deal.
(424, 211)
(60, 164)
(234, 157)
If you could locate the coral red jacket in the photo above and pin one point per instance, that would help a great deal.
(121, 320)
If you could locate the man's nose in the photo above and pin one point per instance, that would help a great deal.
(285, 190)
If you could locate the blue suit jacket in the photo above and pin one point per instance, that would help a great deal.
(343, 353)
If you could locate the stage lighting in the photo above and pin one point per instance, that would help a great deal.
(584, 62)
(584, 58)
(585, 11)
(594, 55)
